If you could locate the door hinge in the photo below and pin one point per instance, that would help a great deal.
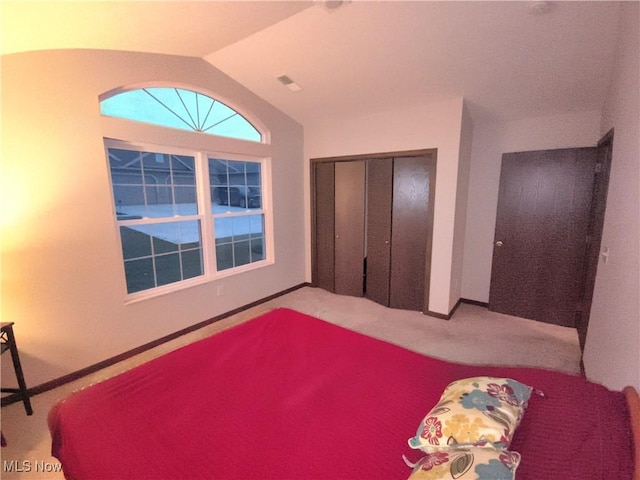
(598, 167)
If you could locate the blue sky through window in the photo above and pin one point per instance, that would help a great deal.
(180, 109)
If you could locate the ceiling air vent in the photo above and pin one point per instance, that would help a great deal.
(290, 84)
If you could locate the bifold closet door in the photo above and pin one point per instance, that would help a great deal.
(349, 227)
(379, 200)
(409, 232)
(381, 208)
(324, 232)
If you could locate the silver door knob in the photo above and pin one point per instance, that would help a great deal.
(499, 243)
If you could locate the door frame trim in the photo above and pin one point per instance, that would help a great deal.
(596, 227)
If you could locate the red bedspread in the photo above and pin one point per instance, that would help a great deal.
(288, 396)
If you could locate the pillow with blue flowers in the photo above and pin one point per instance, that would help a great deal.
(467, 464)
(477, 411)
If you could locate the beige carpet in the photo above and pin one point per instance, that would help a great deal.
(473, 335)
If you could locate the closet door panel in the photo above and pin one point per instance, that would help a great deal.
(379, 199)
(409, 232)
(324, 258)
(349, 227)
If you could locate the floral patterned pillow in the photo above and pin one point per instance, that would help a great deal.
(477, 411)
(467, 464)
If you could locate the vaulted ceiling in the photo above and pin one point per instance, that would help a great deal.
(509, 59)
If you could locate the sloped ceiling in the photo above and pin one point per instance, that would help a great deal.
(189, 28)
(509, 60)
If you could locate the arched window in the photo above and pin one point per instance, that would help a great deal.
(185, 215)
(181, 109)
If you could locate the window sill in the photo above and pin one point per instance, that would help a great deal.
(194, 282)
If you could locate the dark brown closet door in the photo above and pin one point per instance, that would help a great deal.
(349, 227)
(379, 200)
(410, 227)
(324, 203)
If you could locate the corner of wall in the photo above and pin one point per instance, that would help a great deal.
(614, 324)
(462, 197)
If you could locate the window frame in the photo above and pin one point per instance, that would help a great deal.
(204, 213)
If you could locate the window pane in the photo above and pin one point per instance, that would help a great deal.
(224, 256)
(237, 127)
(159, 202)
(234, 184)
(255, 197)
(223, 230)
(168, 269)
(239, 240)
(125, 167)
(218, 171)
(135, 244)
(139, 275)
(242, 252)
(254, 174)
(191, 263)
(185, 201)
(183, 170)
(256, 225)
(173, 248)
(241, 227)
(140, 106)
(241, 197)
(257, 249)
(236, 173)
(257, 237)
(176, 233)
(156, 164)
(161, 246)
(174, 100)
(126, 179)
(180, 109)
(152, 185)
(219, 198)
(228, 229)
(129, 201)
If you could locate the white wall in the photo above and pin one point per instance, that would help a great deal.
(62, 280)
(431, 126)
(490, 141)
(466, 142)
(612, 351)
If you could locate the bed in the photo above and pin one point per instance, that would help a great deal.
(289, 396)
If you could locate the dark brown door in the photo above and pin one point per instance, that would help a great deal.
(409, 232)
(349, 227)
(379, 198)
(541, 234)
(324, 225)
